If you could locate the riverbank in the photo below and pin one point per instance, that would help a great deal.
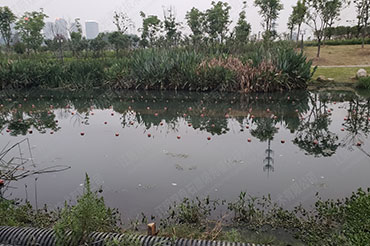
(277, 68)
(247, 219)
(339, 63)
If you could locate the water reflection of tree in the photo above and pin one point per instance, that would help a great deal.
(269, 160)
(19, 122)
(265, 129)
(357, 124)
(313, 134)
(133, 107)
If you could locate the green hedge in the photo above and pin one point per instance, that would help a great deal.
(339, 42)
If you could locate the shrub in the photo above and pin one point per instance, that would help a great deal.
(296, 66)
(364, 83)
(357, 218)
(189, 211)
(218, 74)
(163, 69)
(90, 214)
(14, 214)
(19, 48)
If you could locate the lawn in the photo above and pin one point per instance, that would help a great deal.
(340, 55)
(339, 74)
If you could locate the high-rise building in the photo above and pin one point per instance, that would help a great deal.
(92, 29)
(75, 26)
(57, 28)
(61, 28)
(49, 30)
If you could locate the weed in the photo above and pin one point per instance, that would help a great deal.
(90, 214)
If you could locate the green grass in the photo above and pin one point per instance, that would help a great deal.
(339, 55)
(339, 74)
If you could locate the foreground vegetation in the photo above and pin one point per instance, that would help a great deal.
(262, 69)
(340, 222)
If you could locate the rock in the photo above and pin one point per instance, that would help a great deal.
(321, 78)
(361, 73)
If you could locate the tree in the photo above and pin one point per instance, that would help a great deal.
(217, 21)
(319, 14)
(195, 20)
(363, 14)
(56, 45)
(7, 18)
(242, 28)
(149, 32)
(269, 10)
(98, 44)
(30, 26)
(333, 9)
(122, 22)
(291, 25)
(171, 27)
(298, 16)
(77, 43)
(119, 41)
(75, 27)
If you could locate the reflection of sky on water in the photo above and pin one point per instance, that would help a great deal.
(300, 144)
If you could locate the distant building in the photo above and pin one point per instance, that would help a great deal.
(49, 30)
(61, 27)
(92, 29)
(57, 28)
(74, 27)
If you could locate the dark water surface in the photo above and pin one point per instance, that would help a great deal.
(289, 145)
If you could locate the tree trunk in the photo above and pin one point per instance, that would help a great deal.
(363, 36)
(318, 47)
(298, 31)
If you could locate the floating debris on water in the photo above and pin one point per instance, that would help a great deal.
(175, 155)
(179, 167)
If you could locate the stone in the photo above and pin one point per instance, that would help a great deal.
(361, 73)
(321, 78)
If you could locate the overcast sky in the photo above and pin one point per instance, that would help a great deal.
(102, 10)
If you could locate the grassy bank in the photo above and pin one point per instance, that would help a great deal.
(339, 55)
(260, 70)
(339, 74)
(341, 222)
